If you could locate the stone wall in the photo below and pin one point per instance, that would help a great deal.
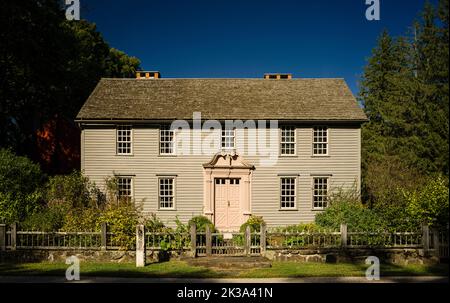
(393, 256)
(113, 256)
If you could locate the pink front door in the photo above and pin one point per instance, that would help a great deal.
(227, 203)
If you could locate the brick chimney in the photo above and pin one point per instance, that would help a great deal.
(278, 76)
(148, 75)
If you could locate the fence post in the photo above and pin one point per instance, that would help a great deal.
(193, 240)
(14, 236)
(343, 235)
(425, 238)
(104, 231)
(436, 244)
(262, 238)
(2, 237)
(208, 241)
(247, 241)
(140, 245)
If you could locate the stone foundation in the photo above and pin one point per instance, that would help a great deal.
(393, 256)
(113, 256)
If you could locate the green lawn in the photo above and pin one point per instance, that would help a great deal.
(291, 269)
(181, 269)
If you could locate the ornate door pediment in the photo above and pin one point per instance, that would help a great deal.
(228, 165)
(228, 160)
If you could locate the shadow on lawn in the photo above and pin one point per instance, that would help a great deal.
(20, 269)
(87, 269)
(427, 270)
(179, 269)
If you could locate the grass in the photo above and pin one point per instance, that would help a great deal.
(291, 269)
(172, 269)
(179, 269)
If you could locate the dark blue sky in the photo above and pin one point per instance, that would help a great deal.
(218, 38)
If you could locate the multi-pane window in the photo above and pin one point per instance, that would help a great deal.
(320, 193)
(166, 140)
(124, 188)
(287, 140)
(166, 193)
(228, 139)
(222, 181)
(287, 192)
(123, 140)
(320, 140)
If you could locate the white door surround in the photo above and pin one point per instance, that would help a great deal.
(227, 203)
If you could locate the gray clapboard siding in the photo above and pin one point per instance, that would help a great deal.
(99, 160)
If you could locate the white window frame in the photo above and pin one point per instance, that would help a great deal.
(160, 207)
(130, 196)
(121, 139)
(164, 132)
(283, 140)
(320, 195)
(324, 140)
(294, 207)
(224, 135)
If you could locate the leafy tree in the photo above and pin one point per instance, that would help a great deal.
(21, 183)
(47, 69)
(120, 65)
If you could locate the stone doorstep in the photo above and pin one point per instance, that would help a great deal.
(228, 262)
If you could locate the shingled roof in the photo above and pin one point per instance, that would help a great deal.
(221, 99)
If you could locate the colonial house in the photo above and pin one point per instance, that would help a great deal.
(274, 147)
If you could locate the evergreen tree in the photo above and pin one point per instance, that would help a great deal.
(384, 103)
(432, 53)
(404, 91)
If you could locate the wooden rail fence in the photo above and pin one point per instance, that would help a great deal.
(247, 243)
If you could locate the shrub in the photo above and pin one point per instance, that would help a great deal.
(201, 222)
(354, 214)
(73, 191)
(121, 216)
(170, 239)
(384, 177)
(153, 224)
(302, 227)
(21, 183)
(122, 220)
(429, 204)
(47, 219)
(82, 219)
(181, 228)
(384, 181)
(254, 222)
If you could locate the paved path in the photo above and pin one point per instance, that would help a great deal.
(48, 279)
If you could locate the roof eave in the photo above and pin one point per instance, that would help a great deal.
(146, 120)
